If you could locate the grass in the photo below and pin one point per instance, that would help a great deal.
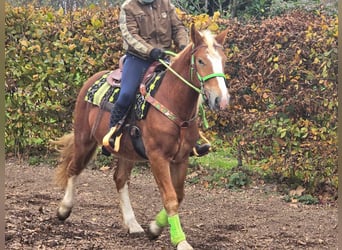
(222, 168)
(217, 159)
(222, 156)
(219, 168)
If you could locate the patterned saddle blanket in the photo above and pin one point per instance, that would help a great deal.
(104, 94)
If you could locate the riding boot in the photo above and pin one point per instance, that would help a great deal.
(200, 149)
(117, 114)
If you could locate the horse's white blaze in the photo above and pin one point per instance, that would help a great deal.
(127, 211)
(216, 62)
(68, 199)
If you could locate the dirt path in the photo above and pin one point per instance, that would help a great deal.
(212, 219)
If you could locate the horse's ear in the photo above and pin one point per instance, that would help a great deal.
(221, 37)
(196, 37)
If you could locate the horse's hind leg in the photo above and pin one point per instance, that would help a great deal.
(75, 159)
(65, 207)
(121, 178)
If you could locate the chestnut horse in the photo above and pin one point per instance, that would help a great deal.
(195, 74)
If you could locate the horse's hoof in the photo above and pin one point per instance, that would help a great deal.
(184, 245)
(136, 233)
(63, 213)
(154, 230)
(134, 229)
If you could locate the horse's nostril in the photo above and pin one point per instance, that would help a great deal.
(217, 102)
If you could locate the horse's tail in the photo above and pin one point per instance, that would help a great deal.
(65, 145)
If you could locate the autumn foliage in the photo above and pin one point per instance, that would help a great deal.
(283, 79)
(282, 76)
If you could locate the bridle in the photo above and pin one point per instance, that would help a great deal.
(193, 70)
(202, 79)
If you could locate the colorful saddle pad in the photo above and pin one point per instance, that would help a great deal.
(101, 91)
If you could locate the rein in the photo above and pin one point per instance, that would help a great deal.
(178, 75)
(202, 79)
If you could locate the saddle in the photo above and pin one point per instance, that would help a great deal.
(150, 83)
(114, 78)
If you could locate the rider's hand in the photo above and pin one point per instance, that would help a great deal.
(181, 47)
(157, 54)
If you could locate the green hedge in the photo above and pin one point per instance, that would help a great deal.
(283, 82)
(49, 55)
(284, 86)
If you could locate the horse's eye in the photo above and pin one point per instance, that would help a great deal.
(200, 62)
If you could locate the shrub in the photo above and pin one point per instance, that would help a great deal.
(49, 55)
(283, 81)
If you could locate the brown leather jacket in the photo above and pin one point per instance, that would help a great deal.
(148, 26)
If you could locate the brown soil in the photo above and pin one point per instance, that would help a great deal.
(253, 218)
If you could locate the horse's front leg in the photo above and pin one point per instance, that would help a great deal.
(121, 178)
(171, 186)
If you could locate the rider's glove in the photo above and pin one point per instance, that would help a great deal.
(157, 54)
(181, 47)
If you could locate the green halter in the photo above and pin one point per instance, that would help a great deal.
(202, 79)
(207, 77)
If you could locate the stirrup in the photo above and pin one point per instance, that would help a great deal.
(107, 139)
(200, 150)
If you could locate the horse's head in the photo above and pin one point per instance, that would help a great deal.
(208, 60)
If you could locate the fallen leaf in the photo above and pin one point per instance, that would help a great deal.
(297, 192)
(104, 168)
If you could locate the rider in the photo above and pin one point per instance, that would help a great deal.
(148, 28)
